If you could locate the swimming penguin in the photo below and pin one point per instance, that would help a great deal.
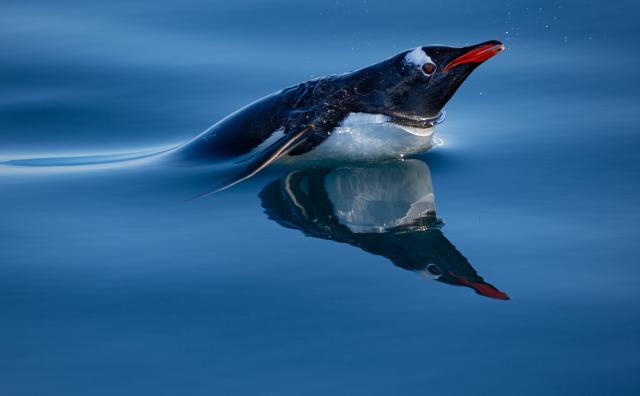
(386, 110)
(385, 209)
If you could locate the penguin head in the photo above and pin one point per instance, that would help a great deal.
(416, 84)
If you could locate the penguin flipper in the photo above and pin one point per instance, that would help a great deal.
(261, 160)
(309, 144)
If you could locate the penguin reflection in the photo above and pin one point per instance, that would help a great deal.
(385, 209)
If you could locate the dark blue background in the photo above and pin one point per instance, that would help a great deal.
(111, 284)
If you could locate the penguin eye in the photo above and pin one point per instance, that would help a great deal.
(428, 68)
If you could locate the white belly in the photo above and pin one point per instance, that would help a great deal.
(369, 137)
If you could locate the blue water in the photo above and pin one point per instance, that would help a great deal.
(113, 281)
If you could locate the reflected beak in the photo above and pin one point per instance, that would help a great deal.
(485, 289)
(477, 54)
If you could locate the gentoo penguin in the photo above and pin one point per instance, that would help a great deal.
(385, 208)
(386, 110)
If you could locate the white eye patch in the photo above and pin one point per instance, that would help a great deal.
(418, 57)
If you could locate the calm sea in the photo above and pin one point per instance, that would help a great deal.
(114, 282)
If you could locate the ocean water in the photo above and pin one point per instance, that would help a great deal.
(503, 262)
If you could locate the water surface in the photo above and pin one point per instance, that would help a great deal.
(112, 281)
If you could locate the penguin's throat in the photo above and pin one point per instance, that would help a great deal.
(420, 126)
(418, 121)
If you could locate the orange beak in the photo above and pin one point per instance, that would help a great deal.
(476, 55)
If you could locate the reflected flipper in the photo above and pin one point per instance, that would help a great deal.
(384, 209)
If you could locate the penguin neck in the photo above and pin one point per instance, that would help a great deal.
(355, 96)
